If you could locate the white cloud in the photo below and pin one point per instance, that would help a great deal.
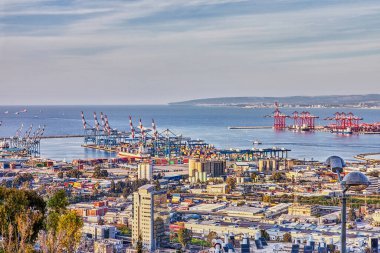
(277, 52)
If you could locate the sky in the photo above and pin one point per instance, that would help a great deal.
(160, 51)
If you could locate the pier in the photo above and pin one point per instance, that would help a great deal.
(248, 127)
(53, 136)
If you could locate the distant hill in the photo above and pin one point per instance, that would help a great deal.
(333, 100)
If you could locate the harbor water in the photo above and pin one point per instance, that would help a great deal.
(207, 123)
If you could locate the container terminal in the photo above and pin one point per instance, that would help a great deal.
(141, 143)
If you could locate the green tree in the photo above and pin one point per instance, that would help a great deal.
(254, 177)
(157, 185)
(60, 174)
(125, 230)
(21, 218)
(139, 246)
(22, 178)
(211, 236)
(277, 176)
(74, 173)
(184, 237)
(352, 214)
(112, 187)
(69, 231)
(58, 201)
(99, 173)
(264, 234)
(231, 184)
(287, 237)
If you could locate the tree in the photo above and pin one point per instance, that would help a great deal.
(69, 231)
(277, 176)
(60, 174)
(157, 185)
(266, 198)
(99, 173)
(119, 187)
(21, 218)
(21, 178)
(211, 236)
(19, 235)
(74, 173)
(287, 237)
(254, 177)
(264, 234)
(125, 230)
(184, 236)
(231, 184)
(352, 214)
(139, 246)
(112, 187)
(373, 173)
(58, 201)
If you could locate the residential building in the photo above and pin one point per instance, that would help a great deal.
(150, 214)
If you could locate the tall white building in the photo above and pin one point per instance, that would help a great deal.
(374, 186)
(145, 171)
(150, 214)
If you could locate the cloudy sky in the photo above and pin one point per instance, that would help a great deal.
(154, 52)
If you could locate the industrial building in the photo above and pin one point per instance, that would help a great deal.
(145, 171)
(303, 210)
(200, 170)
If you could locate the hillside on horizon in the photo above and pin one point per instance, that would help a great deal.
(369, 99)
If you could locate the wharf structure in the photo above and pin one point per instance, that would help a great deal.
(140, 143)
(24, 144)
(138, 140)
(344, 123)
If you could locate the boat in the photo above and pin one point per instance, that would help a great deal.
(139, 154)
(347, 130)
(257, 142)
(6, 112)
(133, 155)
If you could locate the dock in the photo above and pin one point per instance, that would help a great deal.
(248, 127)
(53, 136)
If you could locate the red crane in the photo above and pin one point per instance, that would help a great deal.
(344, 121)
(279, 119)
(304, 119)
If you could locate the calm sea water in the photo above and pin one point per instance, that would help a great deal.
(207, 123)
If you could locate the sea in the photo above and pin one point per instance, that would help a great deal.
(197, 122)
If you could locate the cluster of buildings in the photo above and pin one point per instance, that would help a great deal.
(266, 204)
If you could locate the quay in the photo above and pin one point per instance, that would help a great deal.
(53, 136)
(249, 127)
(366, 157)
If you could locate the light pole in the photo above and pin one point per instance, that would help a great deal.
(355, 181)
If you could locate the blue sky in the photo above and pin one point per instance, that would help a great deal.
(154, 52)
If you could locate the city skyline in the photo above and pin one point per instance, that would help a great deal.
(146, 52)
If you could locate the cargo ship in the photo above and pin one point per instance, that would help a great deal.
(140, 153)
